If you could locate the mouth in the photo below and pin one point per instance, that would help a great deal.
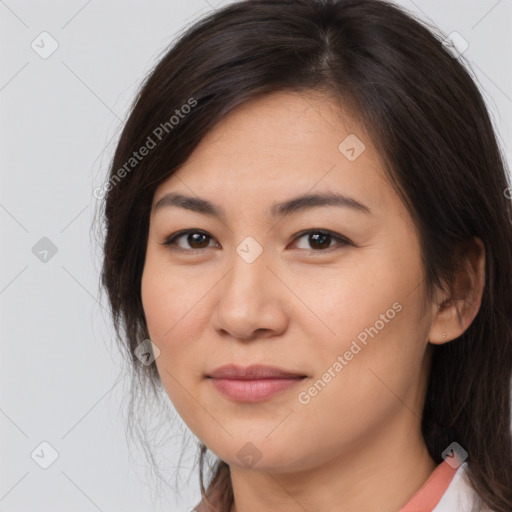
(253, 383)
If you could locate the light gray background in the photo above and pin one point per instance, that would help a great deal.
(61, 377)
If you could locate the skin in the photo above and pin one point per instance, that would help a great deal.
(357, 445)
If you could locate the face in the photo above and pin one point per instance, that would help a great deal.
(331, 292)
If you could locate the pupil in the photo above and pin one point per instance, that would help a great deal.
(192, 238)
(323, 236)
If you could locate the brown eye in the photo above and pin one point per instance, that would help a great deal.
(319, 240)
(194, 240)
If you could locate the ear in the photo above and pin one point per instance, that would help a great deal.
(457, 307)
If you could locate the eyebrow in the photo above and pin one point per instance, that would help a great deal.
(288, 207)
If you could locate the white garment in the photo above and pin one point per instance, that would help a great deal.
(460, 495)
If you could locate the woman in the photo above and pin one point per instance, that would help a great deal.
(308, 215)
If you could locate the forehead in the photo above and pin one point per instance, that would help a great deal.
(279, 145)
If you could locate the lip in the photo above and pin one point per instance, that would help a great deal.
(253, 372)
(252, 383)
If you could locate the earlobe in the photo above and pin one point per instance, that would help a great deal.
(460, 304)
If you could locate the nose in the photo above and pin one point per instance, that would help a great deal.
(251, 301)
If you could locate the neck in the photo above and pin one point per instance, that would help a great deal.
(382, 475)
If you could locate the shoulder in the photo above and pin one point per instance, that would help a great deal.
(460, 495)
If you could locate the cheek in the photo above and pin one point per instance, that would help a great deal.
(373, 335)
(168, 299)
(360, 301)
(156, 298)
(163, 308)
(360, 385)
(174, 314)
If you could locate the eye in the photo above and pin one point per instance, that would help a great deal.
(197, 239)
(321, 240)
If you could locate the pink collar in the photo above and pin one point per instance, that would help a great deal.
(431, 492)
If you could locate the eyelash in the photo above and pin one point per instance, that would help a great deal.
(342, 241)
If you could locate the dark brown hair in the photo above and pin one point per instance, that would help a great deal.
(426, 118)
